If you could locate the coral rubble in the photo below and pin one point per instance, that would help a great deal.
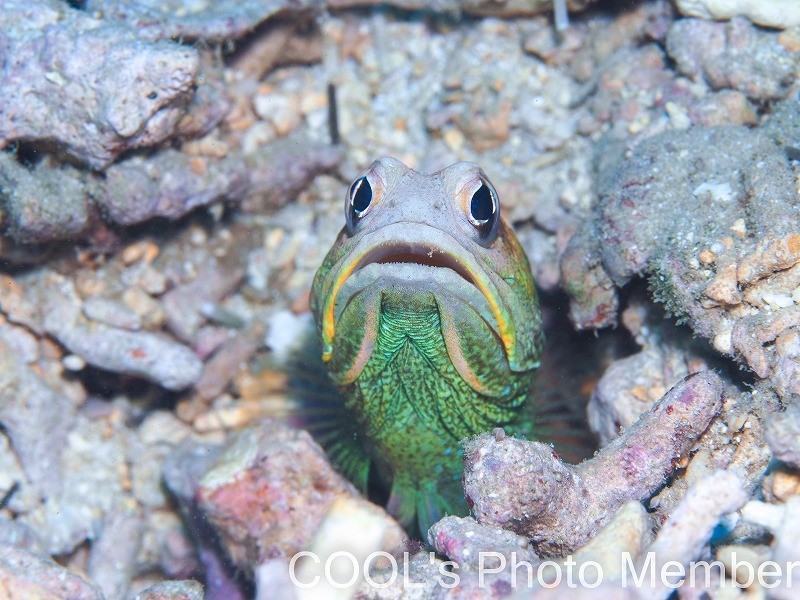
(171, 176)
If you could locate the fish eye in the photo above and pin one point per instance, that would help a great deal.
(484, 210)
(359, 199)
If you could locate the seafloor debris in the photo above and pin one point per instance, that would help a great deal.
(112, 563)
(683, 536)
(622, 549)
(784, 522)
(192, 189)
(184, 303)
(182, 470)
(142, 353)
(30, 213)
(280, 171)
(26, 398)
(464, 540)
(783, 435)
(631, 385)
(168, 184)
(97, 90)
(495, 8)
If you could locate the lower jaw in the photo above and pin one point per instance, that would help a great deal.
(406, 285)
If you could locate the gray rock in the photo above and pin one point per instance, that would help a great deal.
(169, 184)
(210, 21)
(112, 561)
(24, 574)
(525, 487)
(734, 55)
(37, 420)
(27, 199)
(95, 90)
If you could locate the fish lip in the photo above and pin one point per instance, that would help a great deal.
(382, 243)
(438, 278)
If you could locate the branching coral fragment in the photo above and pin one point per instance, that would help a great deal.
(525, 487)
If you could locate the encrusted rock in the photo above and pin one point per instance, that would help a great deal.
(112, 563)
(29, 406)
(270, 490)
(169, 185)
(682, 538)
(713, 232)
(29, 212)
(464, 540)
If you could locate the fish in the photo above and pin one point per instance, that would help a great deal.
(430, 327)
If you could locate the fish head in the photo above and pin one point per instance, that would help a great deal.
(420, 238)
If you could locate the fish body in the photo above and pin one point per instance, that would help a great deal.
(430, 326)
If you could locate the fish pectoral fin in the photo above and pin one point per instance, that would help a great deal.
(402, 504)
(474, 348)
(352, 462)
(418, 504)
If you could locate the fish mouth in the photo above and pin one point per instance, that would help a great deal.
(414, 254)
(420, 254)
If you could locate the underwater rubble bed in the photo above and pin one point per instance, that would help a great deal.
(169, 185)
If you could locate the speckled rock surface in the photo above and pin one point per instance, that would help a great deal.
(172, 590)
(783, 435)
(29, 216)
(464, 540)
